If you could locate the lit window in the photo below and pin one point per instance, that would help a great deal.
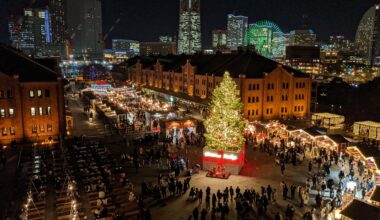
(12, 130)
(42, 129)
(40, 111)
(11, 112)
(34, 129)
(31, 93)
(2, 113)
(49, 128)
(33, 111)
(4, 131)
(39, 93)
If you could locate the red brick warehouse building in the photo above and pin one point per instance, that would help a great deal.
(31, 99)
(268, 89)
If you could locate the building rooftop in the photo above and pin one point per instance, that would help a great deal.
(250, 64)
(361, 210)
(13, 62)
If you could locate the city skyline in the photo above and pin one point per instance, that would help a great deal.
(341, 16)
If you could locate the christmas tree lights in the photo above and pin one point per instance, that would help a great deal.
(225, 124)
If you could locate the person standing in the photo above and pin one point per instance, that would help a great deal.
(282, 169)
(195, 213)
(203, 214)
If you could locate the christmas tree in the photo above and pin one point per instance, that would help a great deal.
(224, 124)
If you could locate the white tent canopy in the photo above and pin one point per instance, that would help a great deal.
(367, 129)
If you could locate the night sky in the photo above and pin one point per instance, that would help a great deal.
(145, 20)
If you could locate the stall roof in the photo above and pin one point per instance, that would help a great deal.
(327, 115)
(313, 131)
(376, 194)
(337, 138)
(371, 152)
(361, 210)
(368, 124)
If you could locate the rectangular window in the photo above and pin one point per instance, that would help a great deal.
(11, 112)
(271, 98)
(301, 108)
(282, 109)
(42, 128)
(4, 131)
(295, 108)
(303, 85)
(39, 93)
(47, 93)
(249, 112)
(257, 99)
(49, 128)
(9, 94)
(31, 93)
(249, 99)
(271, 110)
(257, 112)
(258, 86)
(254, 86)
(250, 87)
(253, 99)
(12, 130)
(268, 99)
(1, 94)
(48, 110)
(40, 111)
(34, 129)
(267, 110)
(33, 111)
(2, 113)
(268, 86)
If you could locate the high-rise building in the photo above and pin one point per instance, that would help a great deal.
(166, 38)
(189, 33)
(237, 27)
(15, 29)
(304, 58)
(32, 32)
(302, 37)
(367, 39)
(219, 38)
(132, 47)
(157, 48)
(58, 22)
(84, 21)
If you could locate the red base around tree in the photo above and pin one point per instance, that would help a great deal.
(220, 163)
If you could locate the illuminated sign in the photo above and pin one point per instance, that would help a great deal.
(216, 155)
(47, 26)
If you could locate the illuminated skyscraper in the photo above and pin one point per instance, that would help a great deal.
(219, 38)
(84, 21)
(237, 27)
(32, 32)
(189, 33)
(58, 22)
(302, 37)
(367, 39)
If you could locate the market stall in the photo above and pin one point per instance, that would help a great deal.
(367, 129)
(179, 128)
(332, 122)
(370, 157)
